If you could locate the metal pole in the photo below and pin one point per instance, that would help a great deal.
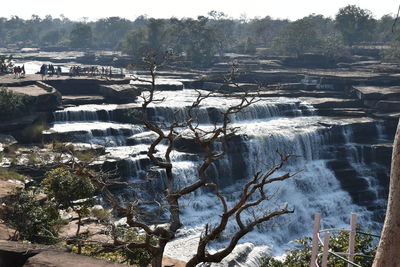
(352, 237)
(325, 253)
(314, 252)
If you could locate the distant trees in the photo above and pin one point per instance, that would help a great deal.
(195, 39)
(108, 32)
(198, 40)
(51, 37)
(81, 36)
(355, 24)
(297, 38)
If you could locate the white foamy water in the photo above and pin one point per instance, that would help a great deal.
(273, 124)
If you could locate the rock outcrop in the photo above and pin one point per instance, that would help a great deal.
(17, 254)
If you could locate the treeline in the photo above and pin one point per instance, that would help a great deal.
(202, 38)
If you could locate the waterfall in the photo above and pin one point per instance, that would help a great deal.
(85, 113)
(338, 173)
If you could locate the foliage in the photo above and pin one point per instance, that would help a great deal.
(138, 257)
(195, 39)
(383, 31)
(297, 38)
(81, 36)
(392, 54)
(13, 105)
(102, 215)
(333, 46)
(66, 187)
(147, 39)
(201, 42)
(250, 46)
(355, 24)
(300, 256)
(109, 31)
(52, 37)
(35, 221)
(6, 60)
(264, 30)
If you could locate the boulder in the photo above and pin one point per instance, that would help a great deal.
(120, 93)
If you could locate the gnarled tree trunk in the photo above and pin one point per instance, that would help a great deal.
(389, 245)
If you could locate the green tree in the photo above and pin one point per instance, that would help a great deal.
(383, 31)
(70, 191)
(34, 221)
(201, 42)
(355, 24)
(333, 46)
(51, 37)
(14, 105)
(250, 47)
(109, 31)
(297, 38)
(81, 36)
(148, 39)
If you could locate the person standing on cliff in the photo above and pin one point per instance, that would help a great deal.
(43, 71)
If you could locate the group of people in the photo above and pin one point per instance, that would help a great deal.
(19, 71)
(90, 71)
(49, 69)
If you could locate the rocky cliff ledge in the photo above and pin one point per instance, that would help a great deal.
(19, 254)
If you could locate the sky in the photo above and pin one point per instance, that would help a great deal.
(130, 9)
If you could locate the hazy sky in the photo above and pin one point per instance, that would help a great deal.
(292, 9)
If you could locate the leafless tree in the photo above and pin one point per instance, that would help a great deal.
(253, 193)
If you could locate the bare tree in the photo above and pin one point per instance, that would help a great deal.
(389, 246)
(253, 192)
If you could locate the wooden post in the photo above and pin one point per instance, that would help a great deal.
(314, 252)
(325, 253)
(352, 238)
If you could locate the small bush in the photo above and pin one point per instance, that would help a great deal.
(13, 105)
(101, 214)
(300, 256)
(34, 221)
(137, 257)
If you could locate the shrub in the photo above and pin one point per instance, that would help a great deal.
(34, 221)
(138, 257)
(300, 256)
(13, 105)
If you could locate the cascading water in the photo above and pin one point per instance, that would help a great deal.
(272, 124)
